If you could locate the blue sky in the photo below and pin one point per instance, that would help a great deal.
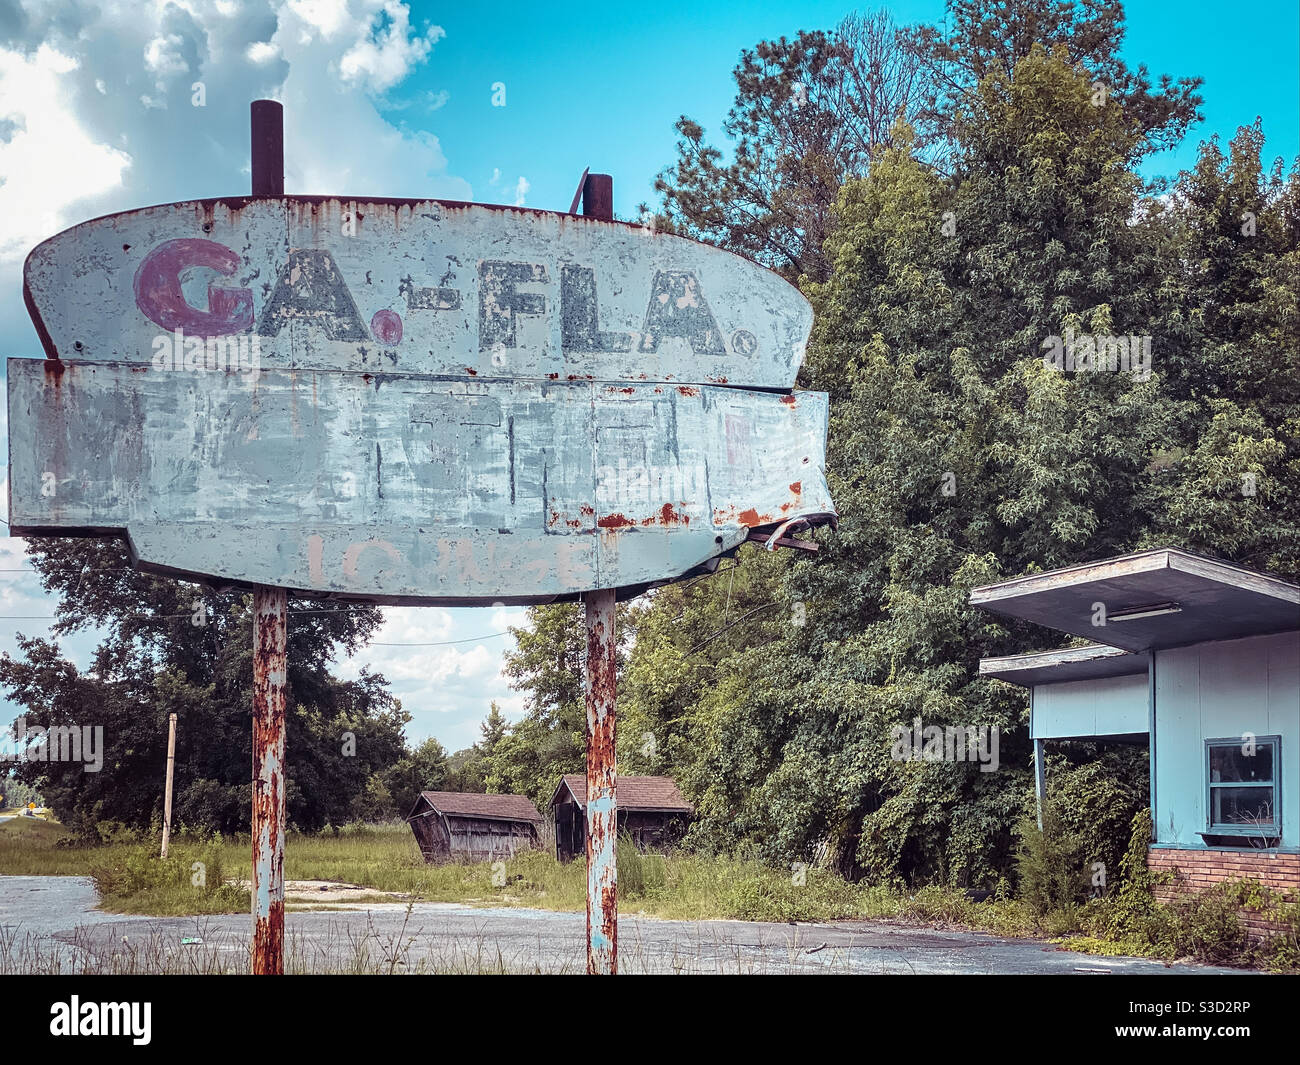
(605, 93)
(96, 116)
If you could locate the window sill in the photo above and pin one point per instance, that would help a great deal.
(1255, 839)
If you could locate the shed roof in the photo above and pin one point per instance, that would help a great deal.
(633, 793)
(473, 804)
(1067, 663)
(1153, 599)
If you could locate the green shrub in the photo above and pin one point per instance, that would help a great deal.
(116, 832)
(1097, 799)
(1062, 921)
(1206, 926)
(1049, 863)
(1132, 913)
(191, 879)
(1281, 949)
(759, 893)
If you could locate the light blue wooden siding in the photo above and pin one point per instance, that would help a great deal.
(1218, 690)
(1105, 706)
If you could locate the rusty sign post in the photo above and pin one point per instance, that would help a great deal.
(270, 664)
(412, 402)
(602, 719)
(270, 609)
(602, 809)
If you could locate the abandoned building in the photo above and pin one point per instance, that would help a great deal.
(650, 809)
(465, 826)
(1197, 658)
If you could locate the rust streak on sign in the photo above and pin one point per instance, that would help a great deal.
(270, 643)
(408, 489)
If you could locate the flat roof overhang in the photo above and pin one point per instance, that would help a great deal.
(1067, 663)
(1187, 599)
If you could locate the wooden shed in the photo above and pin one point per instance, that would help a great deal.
(451, 825)
(650, 809)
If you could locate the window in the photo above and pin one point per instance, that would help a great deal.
(1244, 796)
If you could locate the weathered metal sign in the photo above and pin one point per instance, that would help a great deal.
(409, 487)
(421, 287)
(410, 401)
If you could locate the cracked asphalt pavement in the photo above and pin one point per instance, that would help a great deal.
(56, 917)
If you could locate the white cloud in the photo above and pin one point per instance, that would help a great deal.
(163, 56)
(261, 52)
(386, 51)
(505, 617)
(447, 688)
(326, 16)
(521, 190)
(96, 117)
(49, 161)
(321, 100)
(96, 113)
(426, 101)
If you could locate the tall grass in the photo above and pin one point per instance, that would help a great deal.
(132, 879)
(190, 880)
(30, 846)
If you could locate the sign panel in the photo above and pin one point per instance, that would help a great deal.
(406, 489)
(410, 401)
(422, 287)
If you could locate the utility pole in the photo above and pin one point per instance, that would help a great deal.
(167, 793)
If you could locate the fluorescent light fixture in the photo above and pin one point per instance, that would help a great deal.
(1145, 612)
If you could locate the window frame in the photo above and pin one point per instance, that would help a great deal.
(1270, 831)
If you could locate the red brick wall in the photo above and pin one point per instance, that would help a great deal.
(1198, 869)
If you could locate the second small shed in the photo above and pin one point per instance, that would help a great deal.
(451, 825)
(650, 809)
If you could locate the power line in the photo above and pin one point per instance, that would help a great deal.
(443, 643)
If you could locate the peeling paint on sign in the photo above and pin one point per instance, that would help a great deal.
(408, 488)
(456, 288)
(410, 401)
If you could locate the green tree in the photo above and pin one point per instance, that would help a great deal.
(809, 113)
(423, 769)
(493, 729)
(956, 457)
(982, 37)
(1228, 479)
(172, 646)
(467, 769)
(14, 793)
(548, 665)
(685, 634)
